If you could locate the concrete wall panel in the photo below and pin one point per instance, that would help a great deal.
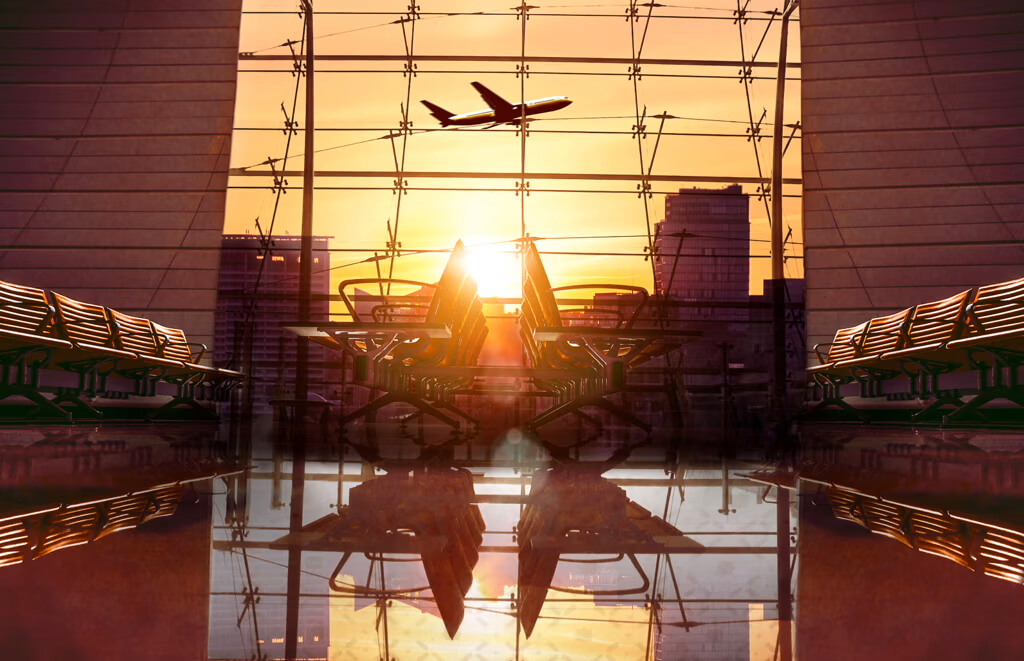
(114, 155)
(912, 168)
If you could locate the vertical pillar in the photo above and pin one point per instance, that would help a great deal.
(298, 441)
(779, 386)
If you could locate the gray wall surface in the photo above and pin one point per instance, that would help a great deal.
(116, 129)
(913, 153)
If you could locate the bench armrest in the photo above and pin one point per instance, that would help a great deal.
(972, 318)
(196, 357)
(822, 358)
(365, 281)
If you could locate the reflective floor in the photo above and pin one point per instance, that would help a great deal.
(273, 540)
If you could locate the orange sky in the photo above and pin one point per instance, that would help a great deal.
(435, 219)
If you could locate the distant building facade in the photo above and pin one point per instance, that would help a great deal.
(704, 251)
(273, 301)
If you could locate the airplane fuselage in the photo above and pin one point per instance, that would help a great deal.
(512, 114)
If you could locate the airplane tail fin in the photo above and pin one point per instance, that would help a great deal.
(439, 113)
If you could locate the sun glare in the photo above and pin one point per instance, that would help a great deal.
(496, 270)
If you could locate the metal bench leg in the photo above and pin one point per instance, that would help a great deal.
(43, 403)
(1010, 394)
(589, 418)
(554, 413)
(379, 403)
(448, 406)
(940, 401)
(73, 398)
(392, 398)
(429, 410)
(620, 412)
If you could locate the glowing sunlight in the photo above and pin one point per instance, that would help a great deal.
(496, 270)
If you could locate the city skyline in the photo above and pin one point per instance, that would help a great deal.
(706, 136)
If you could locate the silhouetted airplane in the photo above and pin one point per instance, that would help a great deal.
(500, 111)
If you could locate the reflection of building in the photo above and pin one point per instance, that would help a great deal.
(273, 348)
(231, 640)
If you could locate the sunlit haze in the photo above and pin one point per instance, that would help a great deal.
(359, 101)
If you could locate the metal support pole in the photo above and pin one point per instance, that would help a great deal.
(778, 274)
(301, 356)
(306, 245)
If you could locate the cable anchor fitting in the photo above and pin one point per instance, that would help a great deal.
(289, 123)
(755, 130)
(298, 68)
(279, 181)
(524, 10)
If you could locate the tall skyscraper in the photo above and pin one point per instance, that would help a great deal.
(275, 302)
(704, 249)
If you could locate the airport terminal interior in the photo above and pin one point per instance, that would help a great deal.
(438, 329)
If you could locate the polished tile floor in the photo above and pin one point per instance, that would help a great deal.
(273, 540)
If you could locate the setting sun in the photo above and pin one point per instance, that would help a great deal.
(496, 270)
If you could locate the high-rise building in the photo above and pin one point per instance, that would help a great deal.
(275, 300)
(704, 252)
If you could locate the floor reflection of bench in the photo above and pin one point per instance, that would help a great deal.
(986, 547)
(980, 331)
(426, 513)
(572, 513)
(594, 349)
(46, 334)
(34, 534)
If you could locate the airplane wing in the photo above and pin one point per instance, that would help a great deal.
(496, 103)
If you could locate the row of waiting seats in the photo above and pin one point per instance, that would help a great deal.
(422, 353)
(978, 330)
(590, 350)
(44, 335)
(402, 348)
